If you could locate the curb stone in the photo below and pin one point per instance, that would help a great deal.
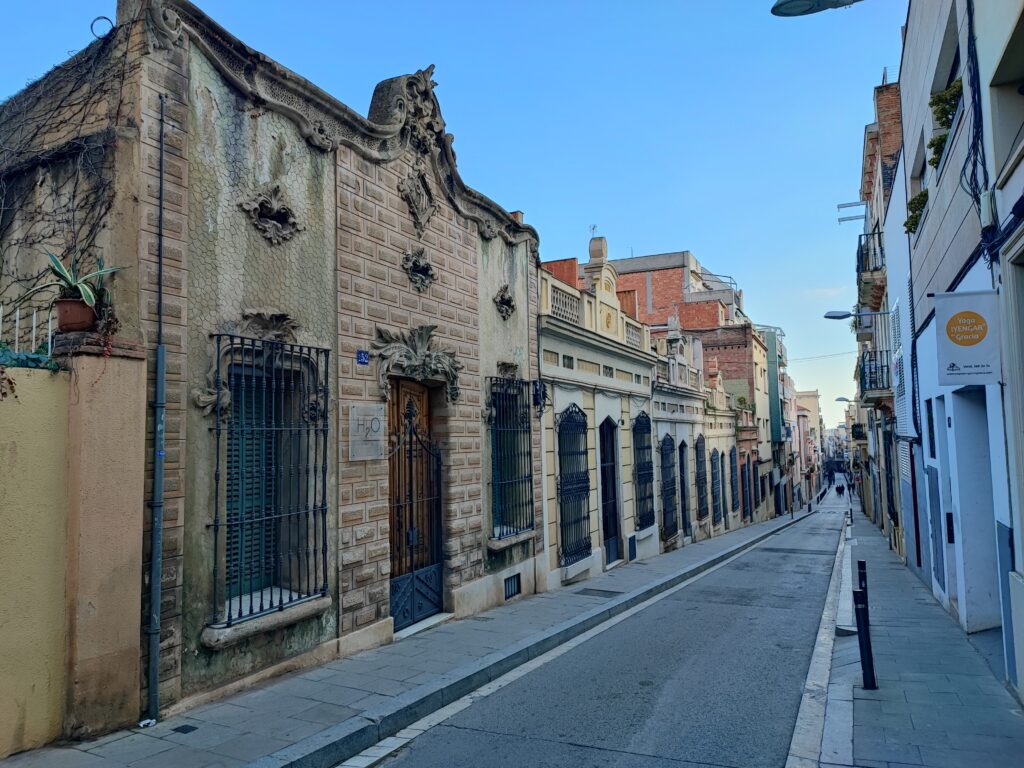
(350, 737)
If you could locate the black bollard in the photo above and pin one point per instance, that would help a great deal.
(867, 661)
(862, 576)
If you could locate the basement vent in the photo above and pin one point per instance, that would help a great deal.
(513, 586)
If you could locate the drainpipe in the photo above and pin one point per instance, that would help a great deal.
(156, 501)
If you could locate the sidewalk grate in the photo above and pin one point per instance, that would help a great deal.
(789, 551)
(597, 592)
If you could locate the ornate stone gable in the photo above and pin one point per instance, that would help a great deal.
(404, 113)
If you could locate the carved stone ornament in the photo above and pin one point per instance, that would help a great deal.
(487, 229)
(415, 190)
(163, 25)
(508, 370)
(270, 324)
(505, 302)
(412, 354)
(421, 273)
(271, 215)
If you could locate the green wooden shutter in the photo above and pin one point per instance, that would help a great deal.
(252, 535)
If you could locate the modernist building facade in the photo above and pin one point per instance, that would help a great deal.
(341, 456)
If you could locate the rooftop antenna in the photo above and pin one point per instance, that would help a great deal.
(593, 229)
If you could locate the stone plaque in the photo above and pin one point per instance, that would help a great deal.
(367, 432)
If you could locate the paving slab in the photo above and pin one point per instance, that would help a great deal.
(290, 720)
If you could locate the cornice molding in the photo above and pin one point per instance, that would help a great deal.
(404, 115)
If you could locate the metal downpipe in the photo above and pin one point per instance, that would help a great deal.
(156, 502)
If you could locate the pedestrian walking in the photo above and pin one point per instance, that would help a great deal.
(840, 489)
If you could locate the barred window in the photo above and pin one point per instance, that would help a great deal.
(643, 471)
(734, 480)
(670, 524)
(716, 489)
(573, 486)
(511, 458)
(684, 487)
(700, 462)
(745, 482)
(270, 476)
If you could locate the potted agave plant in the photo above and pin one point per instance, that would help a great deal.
(77, 294)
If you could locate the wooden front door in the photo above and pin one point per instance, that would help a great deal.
(414, 480)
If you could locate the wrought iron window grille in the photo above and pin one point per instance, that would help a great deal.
(716, 489)
(669, 482)
(511, 457)
(734, 480)
(643, 471)
(701, 469)
(573, 486)
(684, 486)
(270, 476)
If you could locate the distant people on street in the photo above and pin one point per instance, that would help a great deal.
(840, 489)
(831, 478)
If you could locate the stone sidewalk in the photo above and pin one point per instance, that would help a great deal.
(937, 702)
(324, 715)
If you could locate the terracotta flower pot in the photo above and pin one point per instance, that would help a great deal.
(74, 315)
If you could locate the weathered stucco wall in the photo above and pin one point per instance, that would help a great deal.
(106, 464)
(236, 150)
(33, 551)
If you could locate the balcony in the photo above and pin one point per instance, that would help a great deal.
(871, 277)
(875, 381)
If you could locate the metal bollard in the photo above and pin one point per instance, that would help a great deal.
(867, 661)
(862, 576)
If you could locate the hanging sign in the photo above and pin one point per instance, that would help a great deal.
(968, 337)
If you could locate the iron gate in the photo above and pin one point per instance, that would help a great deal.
(416, 558)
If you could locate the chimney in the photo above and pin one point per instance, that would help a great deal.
(518, 216)
(598, 250)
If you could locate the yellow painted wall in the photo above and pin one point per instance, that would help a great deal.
(33, 553)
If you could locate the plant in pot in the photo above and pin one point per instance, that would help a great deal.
(77, 295)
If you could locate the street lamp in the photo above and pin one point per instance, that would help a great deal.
(838, 314)
(806, 7)
(843, 400)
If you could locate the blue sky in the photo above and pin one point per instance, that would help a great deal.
(702, 125)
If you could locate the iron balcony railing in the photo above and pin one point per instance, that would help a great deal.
(870, 253)
(874, 370)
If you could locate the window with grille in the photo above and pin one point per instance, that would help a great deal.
(573, 486)
(716, 489)
(511, 457)
(643, 471)
(684, 487)
(701, 469)
(734, 480)
(745, 482)
(670, 518)
(755, 481)
(270, 476)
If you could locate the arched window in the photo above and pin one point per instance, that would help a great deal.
(716, 489)
(701, 466)
(573, 485)
(670, 519)
(643, 471)
(734, 480)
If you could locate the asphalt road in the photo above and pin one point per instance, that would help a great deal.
(710, 676)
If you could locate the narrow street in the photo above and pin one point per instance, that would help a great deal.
(710, 675)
